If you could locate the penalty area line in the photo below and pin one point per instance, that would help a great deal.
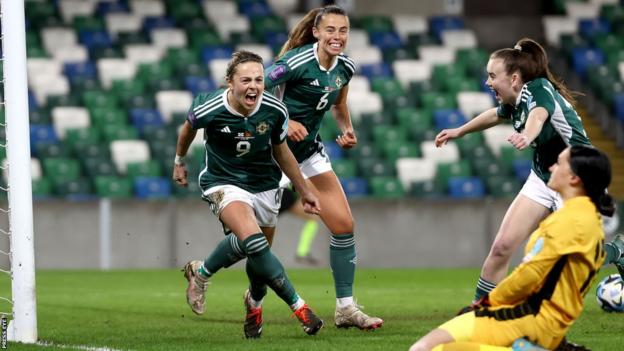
(78, 347)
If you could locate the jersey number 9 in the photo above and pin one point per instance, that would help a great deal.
(243, 147)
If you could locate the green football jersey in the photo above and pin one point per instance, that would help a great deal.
(239, 148)
(308, 90)
(562, 128)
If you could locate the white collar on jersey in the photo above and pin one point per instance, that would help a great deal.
(519, 98)
(236, 113)
(315, 46)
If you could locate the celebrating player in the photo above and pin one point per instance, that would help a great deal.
(245, 130)
(534, 307)
(541, 110)
(311, 75)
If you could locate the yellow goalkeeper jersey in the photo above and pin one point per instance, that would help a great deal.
(561, 259)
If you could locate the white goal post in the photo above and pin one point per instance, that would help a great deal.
(23, 326)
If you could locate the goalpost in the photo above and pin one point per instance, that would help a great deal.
(23, 326)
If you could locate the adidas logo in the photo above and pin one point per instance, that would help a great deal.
(226, 129)
(315, 83)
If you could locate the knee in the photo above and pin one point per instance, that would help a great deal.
(342, 225)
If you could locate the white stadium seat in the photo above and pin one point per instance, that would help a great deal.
(496, 137)
(124, 152)
(437, 54)
(408, 71)
(262, 50)
(169, 38)
(555, 26)
(294, 18)
(445, 154)
(358, 38)
(579, 10)
(283, 7)
(145, 8)
(48, 84)
(110, 69)
(144, 53)
(409, 24)
(363, 102)
(43, 66)
(76, 53)
(173, 101)
(359, 84)
(365, 55)
(215, 10)
(459, 39)
(218, 67)
(54, 38)
(117, 22)
(228, 25)
(69, 117)
(72, 8)
(411, 170)
(471, 103)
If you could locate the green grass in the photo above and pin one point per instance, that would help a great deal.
(146, 310)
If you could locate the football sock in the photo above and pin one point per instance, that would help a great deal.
(342, 302)
(469, 346)
(308, 232)
(227, 252)
(298, 304)
(483, 288)
(612, 253)
(265, 267)
(342, 260)
(257, 288)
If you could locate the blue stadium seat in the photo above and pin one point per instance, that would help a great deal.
(254, 9)
(522, 169)
(376, 70)
(152, 187)
(582, 58)
(142, 117)
(211, 52)
(386, 40)
(354, 187)
(32, 101)
(105, 7)
(199, 84)
(466, 187)
(95, 39)
(448, 118)
(275, 39)
(333, 150)
(42, 134)
(153, 22)
(618, 106)
(591, 27)
(79, 69)
(438, 24)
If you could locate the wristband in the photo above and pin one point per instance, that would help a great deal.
(179, 160)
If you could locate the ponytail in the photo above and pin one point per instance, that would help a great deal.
(529, 58)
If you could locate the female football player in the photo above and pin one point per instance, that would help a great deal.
(542, 111)
(533, 308)
(311, 75)
(245, 132)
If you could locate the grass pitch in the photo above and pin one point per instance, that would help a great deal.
(146, 310)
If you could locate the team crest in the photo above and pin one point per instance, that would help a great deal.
(262, 128)
(338, 82)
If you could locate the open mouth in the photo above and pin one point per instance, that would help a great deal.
(336, 46)
(251, 98)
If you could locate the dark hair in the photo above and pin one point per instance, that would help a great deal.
(530, 59)
(239, 57)
(302, 33)
(594, 169)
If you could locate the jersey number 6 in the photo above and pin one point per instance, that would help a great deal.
(323, 102)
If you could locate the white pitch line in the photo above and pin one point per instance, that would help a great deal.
(79, 347)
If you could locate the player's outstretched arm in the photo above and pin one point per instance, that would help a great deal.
(186, 136)
(487, 119)
(340, 110)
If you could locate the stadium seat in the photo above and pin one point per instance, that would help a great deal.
(113, 187)
(436, 54)
(448, 153)
(555, 26)
(171, 102)
(42, 134)
(459, 39)
(146, 8)
(124, 152)
(145, 117)
(428, 189)
(75, 189)
(48, 84)
(448, 118)
(446, 171)
(152, 187)
(65, 118)
(95, 39)
(114, 132)
(522, 169)
(345, 168)
(473, 103)
(386, 188)
(99, 166)
(152, 22)
(415, 170)
(466, 188)
(409, 24)
(61, 169)
(364, 102)
(358, 39)
(395, 149)
(72, 8)
(169, 38)
(408, 71)
(228, 25)
(386, 40)
(56, 38)
(367, 55)
(44, 150)
(119, 22)
(582, 58)
(377, 70)
(439, 24)
(354, 187)
(149, 168)
(115, 69)
(502, 186)
(81, 135)
(332, 149)
(146, 54)
(373, 167)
